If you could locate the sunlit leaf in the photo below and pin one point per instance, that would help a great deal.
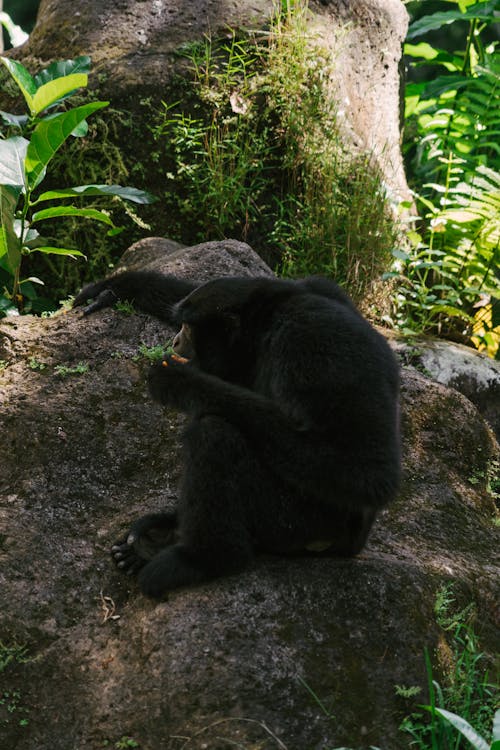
(53, 91)
(48, 137)
(126, 193)
(12, 159)
(23, 79)
(58, 251)
(83, 213)
(464, 728)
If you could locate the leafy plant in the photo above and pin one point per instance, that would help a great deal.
(153, 353)
(63, 370)
(127, 308)
(35, 364)
(28, 144)
(126, 742)
(12, 653)
(466, 689)
(449, 280)
(11, 705)
(470, 734)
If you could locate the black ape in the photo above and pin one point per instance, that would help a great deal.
(293, 439)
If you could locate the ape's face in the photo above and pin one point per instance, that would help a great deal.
(210, 331)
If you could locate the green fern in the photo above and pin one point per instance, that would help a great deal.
(462, 116)
(450, 277)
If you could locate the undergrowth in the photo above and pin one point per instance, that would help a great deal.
(449, 280)
(256, 154)
(467, 690)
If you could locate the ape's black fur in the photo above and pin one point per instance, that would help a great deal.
(293, 439)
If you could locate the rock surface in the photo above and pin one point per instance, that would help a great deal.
(232, 661)
(475, 375)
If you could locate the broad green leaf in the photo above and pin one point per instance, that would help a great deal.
(84, 213)
(62, 68)
(464, 728)
(126, 193)
(482, 11)
(23, 79)
(53, 91)
(81, 129)
(48, 137)
(10, 252)
(12, 159)
(58, 251)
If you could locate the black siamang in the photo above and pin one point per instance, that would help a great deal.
(293, 439)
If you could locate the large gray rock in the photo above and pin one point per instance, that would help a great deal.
(230, 661)
(133, 47)
(475, 375)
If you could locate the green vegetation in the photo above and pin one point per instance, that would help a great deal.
(11, 702)
(11, 653)
(251, 149)
(466, 687)
(27, 146)
(35, 364)
(254, 152)
(123, 743)
(125, 307)
(63, 370)
(153, 353)
(476, 740)
(448, 279)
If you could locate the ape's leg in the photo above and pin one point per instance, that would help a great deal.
(220, 479)
(351, 531)
(297, 524)
(147, 536)
(359, 524)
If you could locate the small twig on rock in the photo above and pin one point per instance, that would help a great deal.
(108, 608)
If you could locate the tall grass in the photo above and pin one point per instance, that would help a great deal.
(257, 154)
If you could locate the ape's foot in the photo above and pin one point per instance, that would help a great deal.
(171, 568)
(146, 538)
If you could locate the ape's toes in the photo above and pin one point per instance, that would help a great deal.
(126, 558)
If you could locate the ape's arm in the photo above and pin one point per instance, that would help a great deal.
(306, 458)
(150, 291)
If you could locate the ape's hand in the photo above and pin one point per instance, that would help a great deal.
(172, 382)
(95, 297)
